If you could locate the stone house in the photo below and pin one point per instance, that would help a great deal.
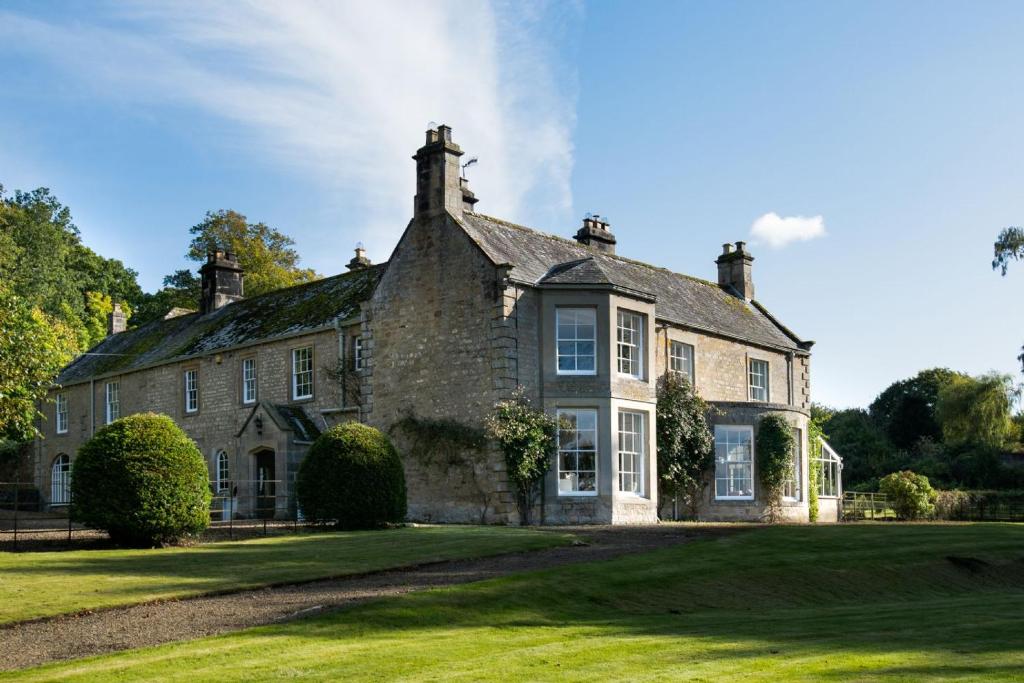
(467, 309)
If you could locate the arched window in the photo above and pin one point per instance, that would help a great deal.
(223, 471)
(60, 480)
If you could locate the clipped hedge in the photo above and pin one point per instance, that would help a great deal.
(142, 480)
(352, 478)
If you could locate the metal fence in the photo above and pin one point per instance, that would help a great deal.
(858, 507)
(242, 510)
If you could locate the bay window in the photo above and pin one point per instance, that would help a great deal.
(791, 487)
(577, 451)
(734, 462)
(631, 344)
(576, 341)
(632, 449)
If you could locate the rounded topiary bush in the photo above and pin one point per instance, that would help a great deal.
(142, 480)
(352, 477)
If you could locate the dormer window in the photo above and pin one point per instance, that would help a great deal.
(576, 341)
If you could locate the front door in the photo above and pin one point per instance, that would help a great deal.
(265, 485)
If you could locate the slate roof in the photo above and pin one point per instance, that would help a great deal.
(284, 312)
(540, 259)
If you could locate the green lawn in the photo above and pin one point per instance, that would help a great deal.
(855, 602)
(44, 584)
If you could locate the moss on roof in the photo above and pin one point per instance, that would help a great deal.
(284, 312)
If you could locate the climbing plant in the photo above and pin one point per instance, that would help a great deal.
(686, 445)
(528, 438)
(774, 460)
(814, 437)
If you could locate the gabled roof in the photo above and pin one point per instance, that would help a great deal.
(282, 313)
(539, 259)
(288, 419)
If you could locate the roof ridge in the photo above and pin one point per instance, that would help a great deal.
(614, 257)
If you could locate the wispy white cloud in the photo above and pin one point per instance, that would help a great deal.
(777, 231)
(344, 90)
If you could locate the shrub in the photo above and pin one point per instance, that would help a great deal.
(142, 480)
(353, 478)
(910, 494)
(774, 460)
(528, 438)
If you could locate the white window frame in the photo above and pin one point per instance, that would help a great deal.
(249, 379)
(720, 431)
(575, 312)
(191, 386)
(112, 402)
(60, 480)
(302, 354)
(632, 451)
(358, 358)
(761, 374)
(60, 414)
(792, 490)
(630, 336)
(829, 466)
(679, 363)
(575, 452)
(222, 465)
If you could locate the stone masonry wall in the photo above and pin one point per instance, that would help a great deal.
(441, 348)
(221, 412)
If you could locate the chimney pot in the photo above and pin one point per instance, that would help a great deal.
(595, 235)
(438, 176)
(117, 321)
(360, 261)
(735, 271)
(221, 279)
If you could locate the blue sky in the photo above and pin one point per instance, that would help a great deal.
(892, 128)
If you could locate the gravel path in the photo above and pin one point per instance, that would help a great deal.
(68, 637)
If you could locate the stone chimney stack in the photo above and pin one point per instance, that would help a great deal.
(735, 268)
(117, 322)
(359, 261)
(596, 234)
(438, 182)
(222, 281)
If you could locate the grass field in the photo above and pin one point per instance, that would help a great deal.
(43, 584)
(855, 602)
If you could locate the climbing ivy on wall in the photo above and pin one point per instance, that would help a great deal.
(774, 460)
(814, 437)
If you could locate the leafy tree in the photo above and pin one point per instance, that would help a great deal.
(45, 264)
(33, 348)
(905, 411)
(977, 410)
(686, 445)
(866, 451)
(527, 437)
(911, 495)
(181, 290)
(264, 253)
(98, 307)
(1009, 246)
(774, 460)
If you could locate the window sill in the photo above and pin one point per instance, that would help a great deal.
(735, 499)
(576, 374)
(577, 494)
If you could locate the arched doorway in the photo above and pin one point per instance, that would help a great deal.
(266, 483)
(60, 480)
